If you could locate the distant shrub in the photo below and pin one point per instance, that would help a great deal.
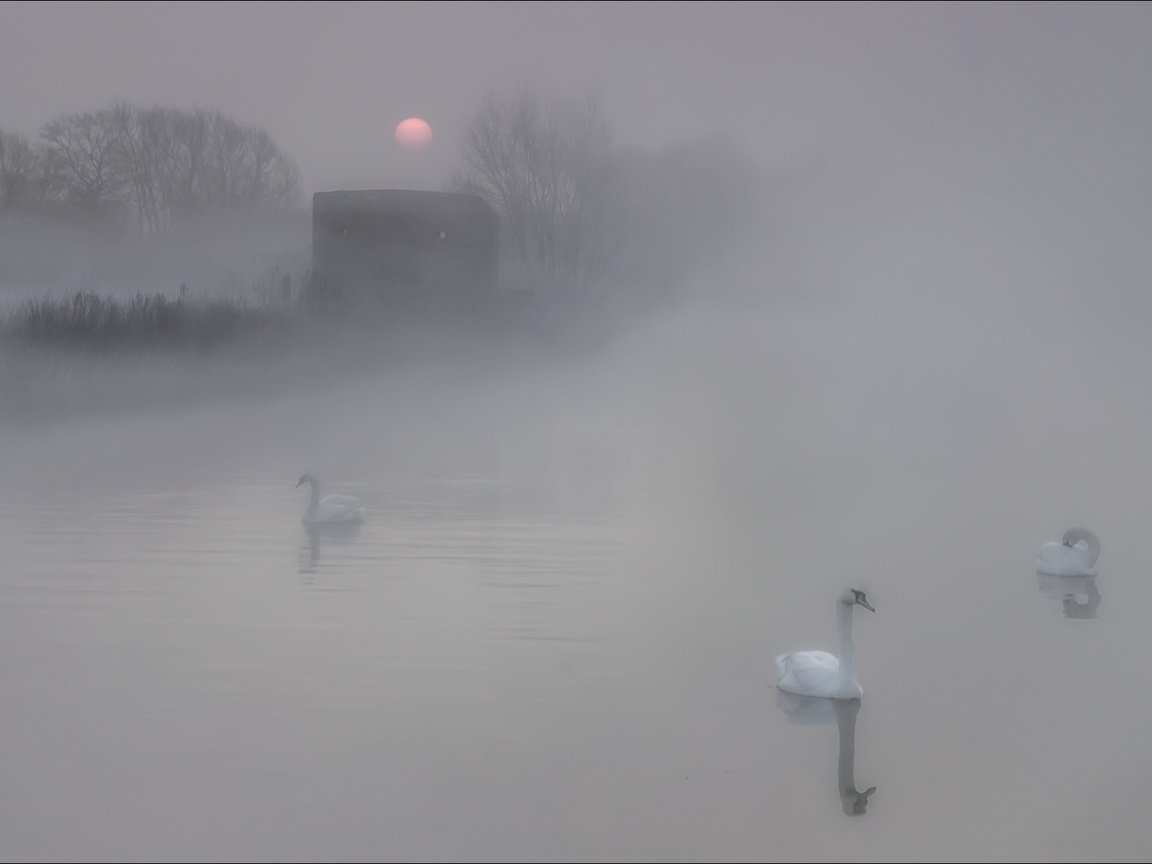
(90, 320)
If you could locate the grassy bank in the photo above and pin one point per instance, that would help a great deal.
(92, 321)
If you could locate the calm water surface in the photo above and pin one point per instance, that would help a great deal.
(553, 637)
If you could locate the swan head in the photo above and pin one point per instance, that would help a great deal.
(1080, 535)
(855, 597)
(305, 478)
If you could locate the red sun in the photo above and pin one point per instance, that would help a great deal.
(413, 134)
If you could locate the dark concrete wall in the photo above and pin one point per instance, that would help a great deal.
(402, 250)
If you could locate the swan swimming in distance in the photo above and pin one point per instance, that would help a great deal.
(818, 673)
(1074, 555)
(331, 508)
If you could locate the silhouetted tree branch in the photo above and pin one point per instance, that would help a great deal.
(547, 169)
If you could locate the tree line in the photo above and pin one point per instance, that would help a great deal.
(148, 168)
(582, 216)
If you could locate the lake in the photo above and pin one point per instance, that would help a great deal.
(553, 636)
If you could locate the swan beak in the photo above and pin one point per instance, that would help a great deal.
(299, 483)
(866, 605)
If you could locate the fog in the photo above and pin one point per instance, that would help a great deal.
(918, 354)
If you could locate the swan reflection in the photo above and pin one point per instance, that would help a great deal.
(338, 531)
(1079, 595)
(816, 711)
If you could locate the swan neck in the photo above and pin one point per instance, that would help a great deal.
(847, 649)
(1093, 552)
(314, 501)
(1092, 543)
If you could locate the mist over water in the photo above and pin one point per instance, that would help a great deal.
(553, 637)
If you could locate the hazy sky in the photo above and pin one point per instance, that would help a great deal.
(793, 80)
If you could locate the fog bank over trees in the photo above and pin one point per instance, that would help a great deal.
(584, 218)
(150, 169)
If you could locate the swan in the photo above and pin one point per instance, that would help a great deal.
(1074, 555)
(818, 673)
(330, 508)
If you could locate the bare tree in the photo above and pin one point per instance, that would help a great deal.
(272, 177)
(168, 165)
(138, 165)
(87, 149)
(243, 167)
(21, 186)
(547, 169)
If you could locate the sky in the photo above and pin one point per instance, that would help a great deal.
(792, 81)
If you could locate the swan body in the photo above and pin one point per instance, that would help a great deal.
(818, 673)
(331, 509)
(1075, 555)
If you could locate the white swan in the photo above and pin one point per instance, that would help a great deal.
(1074, 555)
(818, 673)
(330, 508)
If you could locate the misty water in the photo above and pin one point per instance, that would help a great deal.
(553, 637)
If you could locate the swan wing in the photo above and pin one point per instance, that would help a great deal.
(341, 501)
(338, 508)
(809, 673)
(1056, 559)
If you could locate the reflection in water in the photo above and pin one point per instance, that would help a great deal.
(816, 711)
(1079, 595)
(344, 531)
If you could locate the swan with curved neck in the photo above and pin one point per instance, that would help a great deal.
(331, 508)
(818, 673)
(1075, 555)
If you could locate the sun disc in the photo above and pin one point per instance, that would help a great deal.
(413, 134)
